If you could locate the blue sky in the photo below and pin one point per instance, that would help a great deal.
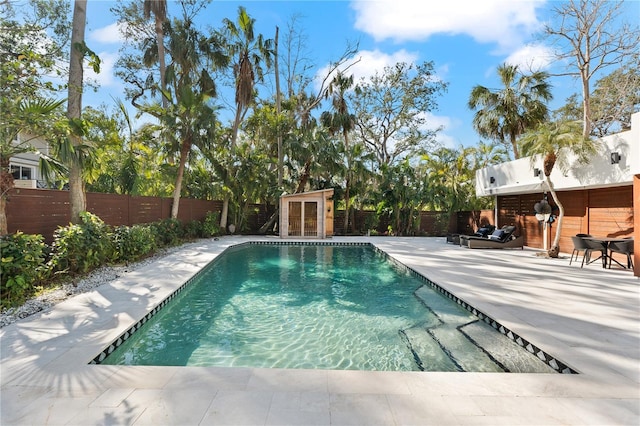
(466, 40)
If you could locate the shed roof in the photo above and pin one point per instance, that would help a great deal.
(317, 192)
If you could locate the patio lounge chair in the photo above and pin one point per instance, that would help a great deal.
(483, 232)
(499, 239)
(493, 234)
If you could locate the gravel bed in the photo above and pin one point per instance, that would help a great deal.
(75, 286)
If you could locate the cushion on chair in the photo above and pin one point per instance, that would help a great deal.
(498, 235)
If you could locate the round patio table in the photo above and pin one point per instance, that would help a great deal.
(606, 241)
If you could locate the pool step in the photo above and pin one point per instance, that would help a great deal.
(448, 312)
(445, 348)
(445, 335)
(504, 350)
(462, 350)
(427, 353)
(460, 333)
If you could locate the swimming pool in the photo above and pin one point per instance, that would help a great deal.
(317, 306)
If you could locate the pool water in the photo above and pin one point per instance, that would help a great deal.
(318, 307)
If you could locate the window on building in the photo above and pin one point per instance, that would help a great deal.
(21, 172)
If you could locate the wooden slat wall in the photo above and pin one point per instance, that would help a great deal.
(146, 209)
(636, 222)
(611, 212)
(468, 222)
(113, 211)
(259, 214)
(36, 211)
(602, 212)
(433, 224)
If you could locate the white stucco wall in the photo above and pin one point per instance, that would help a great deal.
(28, 159)
(517, 177)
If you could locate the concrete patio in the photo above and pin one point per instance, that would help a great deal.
(589, 318)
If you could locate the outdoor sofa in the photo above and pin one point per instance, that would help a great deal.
(483, 232)
(499, 239)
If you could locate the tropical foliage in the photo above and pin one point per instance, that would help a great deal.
(558, 144)
(28, 264)
(519, 105)
(371, 139)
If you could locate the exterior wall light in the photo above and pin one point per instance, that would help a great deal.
(536, 172)
(615, 158)
(492, 180)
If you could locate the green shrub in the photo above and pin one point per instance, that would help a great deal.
(21, 266)
(211, 225)
(81, 247)
(133, 242)
(168, 232)
(193, 229)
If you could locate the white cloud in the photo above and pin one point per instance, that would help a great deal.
(434, 122)
(504, 22)
(372, 61)
(110, 34)
(531, 58)
(444, 123)
(368, 62)
(105, 78)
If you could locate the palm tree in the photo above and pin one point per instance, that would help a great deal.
(159, 10)
(188, 118)
(509, 112)
(341, 120)
(24, 120)
(249, 52)
(558, 143)
(449, 177)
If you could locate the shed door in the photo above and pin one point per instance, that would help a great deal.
(295, 218)
(310, 218)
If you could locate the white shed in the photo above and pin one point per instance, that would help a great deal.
(307, 214)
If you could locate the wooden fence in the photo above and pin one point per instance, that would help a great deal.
(37, 211)
(607, 211)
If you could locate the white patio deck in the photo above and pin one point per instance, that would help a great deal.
(589, 318)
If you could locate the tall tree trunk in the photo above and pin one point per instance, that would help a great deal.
(224, 214)
(161, 58)
(278, 110)
(514, 145)
(586, 105)
(6, 183)
(184, 154)
(346, 205)
(3, 215)
(304, 177)
(234, 138)
(555, 246)
(74, 108)
(347, 197)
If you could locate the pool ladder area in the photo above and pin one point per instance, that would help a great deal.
(453, 339)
